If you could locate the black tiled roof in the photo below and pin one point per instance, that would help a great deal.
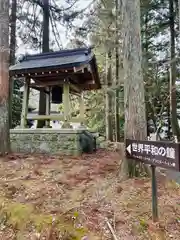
(61, 59)
(50, 65)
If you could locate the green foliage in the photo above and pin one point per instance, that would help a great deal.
(156, 43)
(95, 113)
(16, 104)
(143, 225)
(16, 111)
(19, 216)
(42, 221)
(30, 17)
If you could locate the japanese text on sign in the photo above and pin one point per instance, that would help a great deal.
(168, 152)
(157, 161)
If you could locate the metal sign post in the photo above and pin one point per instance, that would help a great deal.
(154, 195)
(154, 153)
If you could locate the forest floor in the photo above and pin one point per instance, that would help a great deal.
(70, 198)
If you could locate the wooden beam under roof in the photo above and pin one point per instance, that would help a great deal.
(74, 78)
(81, 68)
(72, 91)
(43, 76)
(81, 79)
(57, 75)
(55, 117)
(47, 84)
(45, 70)
(82, 87)
(55, 83)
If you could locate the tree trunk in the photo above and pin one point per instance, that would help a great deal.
(117, 111)
(173, 102)
(109, 132)
(168, 122)
(4, 76)
(12, 58)
(179, 13)
(134, 96)
(145, 51)
(45, 48)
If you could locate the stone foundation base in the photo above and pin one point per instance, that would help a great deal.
(50, 141)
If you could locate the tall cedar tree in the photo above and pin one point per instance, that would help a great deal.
(12, 58)
(173, 73)
(4, 76)
(45, 48)
(134, 95)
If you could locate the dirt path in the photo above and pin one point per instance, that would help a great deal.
(70, 198)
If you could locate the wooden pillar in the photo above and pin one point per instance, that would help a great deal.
(82, 109)
(66, 105)
(25, 103)
(48, 106)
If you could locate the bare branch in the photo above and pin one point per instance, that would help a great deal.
(111, 230)
(54, 29)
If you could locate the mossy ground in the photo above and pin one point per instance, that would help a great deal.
(69, 198)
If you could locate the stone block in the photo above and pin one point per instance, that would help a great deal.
(49, 141)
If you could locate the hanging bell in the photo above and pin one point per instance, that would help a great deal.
(57, 94)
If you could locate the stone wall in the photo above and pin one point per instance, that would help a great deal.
(51, 141)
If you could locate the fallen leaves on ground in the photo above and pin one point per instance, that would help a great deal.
(61, 197)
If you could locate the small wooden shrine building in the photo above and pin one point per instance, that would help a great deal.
(58, 74)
